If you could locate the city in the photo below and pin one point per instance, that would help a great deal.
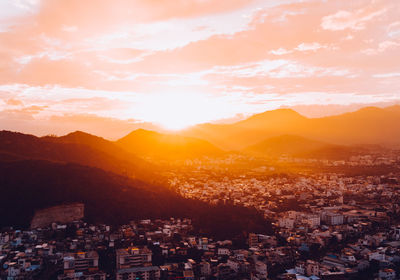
(324, 226)
(199, 139)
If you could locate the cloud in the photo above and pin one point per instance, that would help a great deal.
(278, 69)
(382, 47)
(74, 58)
(387, 75)
(14, 102)
(393, 29)
(27, 113)
(309, 46)
(280, 51)
(356, 20)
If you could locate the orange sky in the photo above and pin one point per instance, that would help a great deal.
(108, 66)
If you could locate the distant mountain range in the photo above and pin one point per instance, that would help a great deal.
(300, 147)
(286, 144)
(271, 133)
(369, 125)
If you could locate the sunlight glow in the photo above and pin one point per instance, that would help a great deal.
(175, 111)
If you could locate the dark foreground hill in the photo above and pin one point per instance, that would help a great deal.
(78, 147)
(28, 185)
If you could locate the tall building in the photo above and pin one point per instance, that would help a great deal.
(334, 219)
(133, 257)
(253, 240)
(135, 263)
(82, 266)
(141, 272)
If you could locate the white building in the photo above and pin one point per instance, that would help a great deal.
(286, 223)
(333, 219)
(313, 220)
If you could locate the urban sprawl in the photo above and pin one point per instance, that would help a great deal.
(325, 226)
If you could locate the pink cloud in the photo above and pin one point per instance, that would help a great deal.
(102, 58)
(356, 20)
(14, 102)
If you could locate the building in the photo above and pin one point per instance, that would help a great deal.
(83, 266)
(333, 219)
(133, 257)
(143, 273)
(135, 263)
(253, 240)
(205, 268)
(312, 268)
(387, 274)
(261, 271)
(313, 220)
(286, 223)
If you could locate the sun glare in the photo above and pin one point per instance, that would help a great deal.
(176, 111)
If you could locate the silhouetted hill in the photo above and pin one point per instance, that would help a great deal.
(273, 119)
(336, 152)
(166, 146)
(242, 134)
(301, 147)
(103, 145)
(285, 144)
(80, 148)
(369, 125)
(26, 186)
(83, 138)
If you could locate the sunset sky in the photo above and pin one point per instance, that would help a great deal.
(107, 67)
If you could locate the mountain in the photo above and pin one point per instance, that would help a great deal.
(83, 138)
(80, 148)
(166, 146)
(29, 185)
(100, 144)
(297, 146)
(369, 125)
(248, 132)
(285, 144)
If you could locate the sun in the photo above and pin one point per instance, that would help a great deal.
(176, 111)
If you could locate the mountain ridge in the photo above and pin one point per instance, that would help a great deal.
(26, 146)
(300, 147)
(166, 146)
(369, 125)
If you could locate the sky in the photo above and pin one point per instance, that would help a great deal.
(107, 67)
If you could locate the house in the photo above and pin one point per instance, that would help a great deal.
(82, 265)
(312, 268)
(387, 274)
(142, 272)
(133, 257)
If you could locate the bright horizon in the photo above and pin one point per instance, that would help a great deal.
(113, 66)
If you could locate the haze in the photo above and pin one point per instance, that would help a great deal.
(108, 67)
